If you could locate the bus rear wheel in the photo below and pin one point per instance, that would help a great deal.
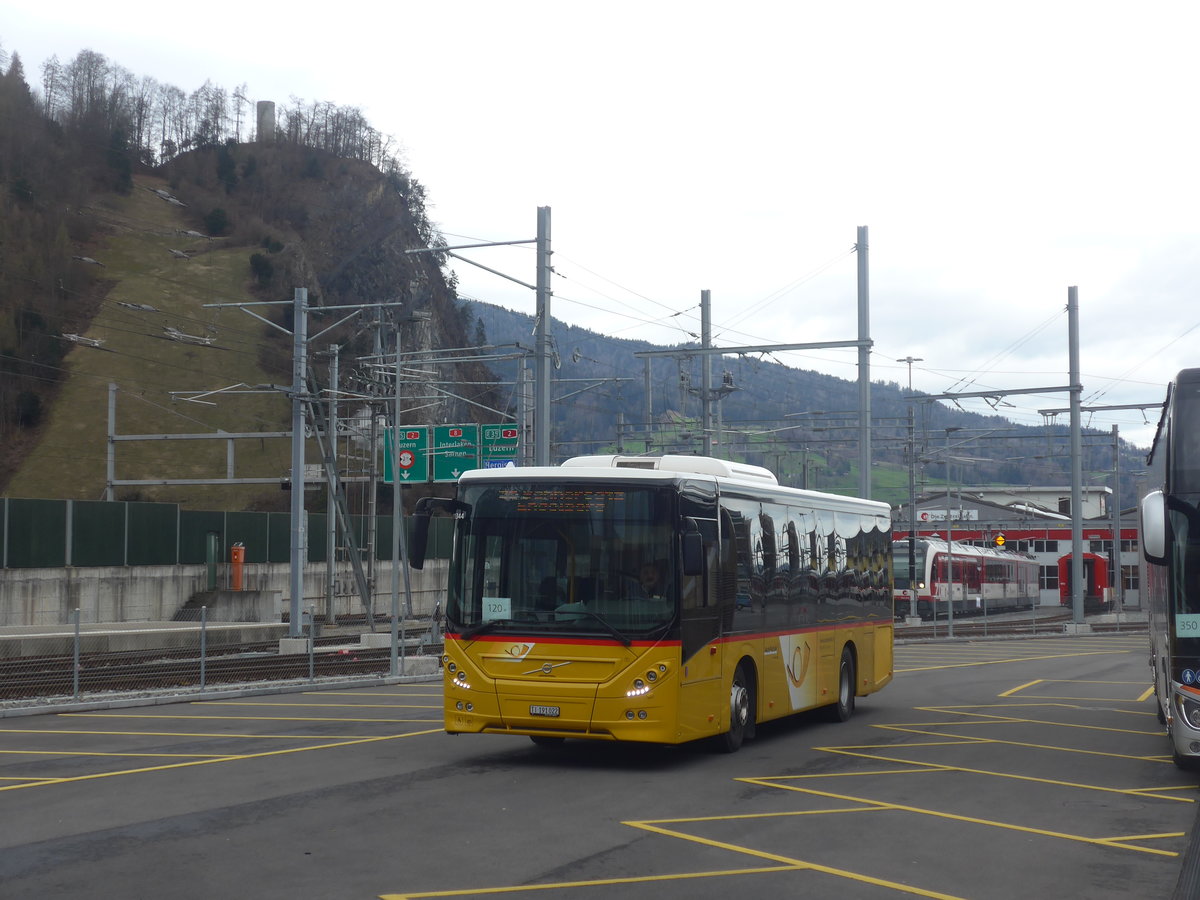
(741, 711)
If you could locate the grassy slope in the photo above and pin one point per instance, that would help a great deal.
(69, 461)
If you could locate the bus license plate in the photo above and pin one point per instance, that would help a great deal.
(550, 711)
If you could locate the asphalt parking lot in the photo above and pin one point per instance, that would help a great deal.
(1031, 767)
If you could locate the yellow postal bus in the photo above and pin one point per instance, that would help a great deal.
(657, 599)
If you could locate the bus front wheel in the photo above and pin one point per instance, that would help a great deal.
(741, 711)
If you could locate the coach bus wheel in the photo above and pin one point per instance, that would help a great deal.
(844, 708)
(741, 711)
(546, 740)
(1185, 763)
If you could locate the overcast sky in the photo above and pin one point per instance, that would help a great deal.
(998, 153)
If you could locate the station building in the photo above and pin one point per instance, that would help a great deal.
(1037, 521)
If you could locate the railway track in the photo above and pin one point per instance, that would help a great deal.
(156, 670)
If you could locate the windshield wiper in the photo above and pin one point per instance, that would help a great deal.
(482, 628)
(612, 629)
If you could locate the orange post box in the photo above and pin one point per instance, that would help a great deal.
(237, 559)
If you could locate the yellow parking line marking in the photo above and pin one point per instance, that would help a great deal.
(1158, 790)
(915, 728)
(1017, 690)
(1147, 837)
(947, 767)
(696, 820)
(996, 740)
(1025, 720)
(861, 772)
(207, 762)
(566, 885)
(1149, 692)
(1069, 698)
(654, 827)
(75, 753)
(973, 820)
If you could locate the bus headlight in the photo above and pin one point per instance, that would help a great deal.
(1189, 709)
(639, 688)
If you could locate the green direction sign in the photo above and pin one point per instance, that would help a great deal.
(498, 446)
(412, 448)
(455, 449)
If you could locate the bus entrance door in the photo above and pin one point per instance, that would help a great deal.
(701, 656)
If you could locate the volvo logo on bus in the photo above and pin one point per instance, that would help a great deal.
(547, 668)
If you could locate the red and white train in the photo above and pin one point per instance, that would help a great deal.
(1096, 596)
(976, 580)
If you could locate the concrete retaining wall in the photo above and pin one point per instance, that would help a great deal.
(156, 593)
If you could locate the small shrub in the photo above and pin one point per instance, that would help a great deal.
(262, 268)
(216, 222)
(29, 409)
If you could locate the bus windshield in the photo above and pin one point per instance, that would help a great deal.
(1186, 437)
(565, 558)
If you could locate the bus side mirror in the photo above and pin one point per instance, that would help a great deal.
(692, 546)
(418, 538)
(1154, 527)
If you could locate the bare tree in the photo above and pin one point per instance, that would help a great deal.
(208, 114)
(239, 100)
(170, 99)
(87, 86)
(52, 87)
(141, 98)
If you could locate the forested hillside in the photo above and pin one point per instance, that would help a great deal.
(782, 417)
(133, 216)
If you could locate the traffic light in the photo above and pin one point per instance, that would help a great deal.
(998, 540)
